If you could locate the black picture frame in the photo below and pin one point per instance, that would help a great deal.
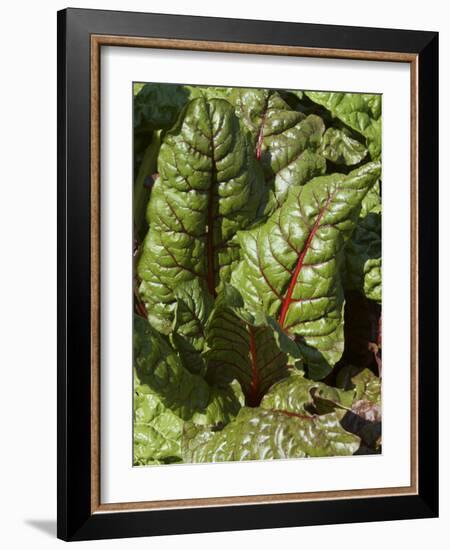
(75, 518)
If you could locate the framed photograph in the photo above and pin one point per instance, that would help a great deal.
(247, 255)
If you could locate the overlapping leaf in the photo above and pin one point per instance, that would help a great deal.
(291, 263)
(340, 148)
(157, 106)
(213, 92)
(259, 434)
(286, 141)
(232, 371)
(361, 112)
(300, 395)
(363, 251)
(143, 184)
(160, 372)
(157, 430)
(366, 385)
(239, 348)
(192, 310)
(364, 417)
(209, 187)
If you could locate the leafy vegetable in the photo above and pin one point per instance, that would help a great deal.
(364, 417)
(361, 112)
(259, 434)
(286, 141)
(160, 372)
(240, 349)
(257, 227)
(209, 187)
(363, 253)
(291, 266)
(298, 394)
(338, 147)
(157, 430)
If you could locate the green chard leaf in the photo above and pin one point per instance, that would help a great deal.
(243, 250)
(143, 184)
(160, 372)
(285, 141)
(157, 430)
(363, 251)
(209, 188)
(366, 384)
(300, 395)
(213, 92)
(259, 434)
(361, 112)
(239, 349)
(338, 147)
(291, 264)
(372, 279)
(193, 307)
(364, 416)
(157, 106)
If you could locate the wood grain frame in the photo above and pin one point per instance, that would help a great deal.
(97, 41)
(420, 67)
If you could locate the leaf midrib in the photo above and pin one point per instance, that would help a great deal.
(287, 300)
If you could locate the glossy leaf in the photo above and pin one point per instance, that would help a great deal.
(259, 434)
(361, 112)
(363, 251)
(243, 250)
(143, 185)
(213, 92)
(157, 430)
(286, 141)
(338, 147)
(192, 309)
(160, 372)
(367, 386)
(298, 394)
(157, 106)
(209, 188)
(291, 266)
(364, 418)
(240, 349)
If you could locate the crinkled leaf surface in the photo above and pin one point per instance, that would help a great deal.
(209, 187)
(160, 372)
(286, 141)
(227, 160)
(157, 106)
(298, 394)
(291, 263)
(372, 279)
(338, 147)
(193, 307)
(363, 251)
(361, 112)
(143, 184)
(213, 92)
(259, 434)
(367, 386)
(157, 430)
(239, 349)
(364, 418)
(365, 383)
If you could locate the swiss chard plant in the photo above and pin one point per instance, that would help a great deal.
(257, 287)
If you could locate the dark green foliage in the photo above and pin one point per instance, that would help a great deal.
(257, 219)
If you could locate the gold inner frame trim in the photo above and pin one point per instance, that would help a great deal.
(97, 41)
